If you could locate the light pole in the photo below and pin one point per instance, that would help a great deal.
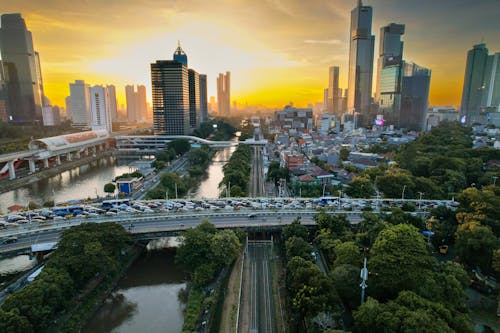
(340, 197)
(420, 201)
(494, 180)
(364, 277)
(403, 194)
(378, 200)
(324, 186)
(176, 191)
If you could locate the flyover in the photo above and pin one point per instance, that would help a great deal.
(153, 226)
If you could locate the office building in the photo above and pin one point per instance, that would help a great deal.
(212, 106)
(50, 115)
(203, 98)
(390, 73)
(142, 104)
(100, 109)
(474, 84)
(360, 62)
(3, 95)
(436, 115)
(325, 100)
(67, 102)
(334, 93)
(113, 105)
(170, 84)
(194, 99)
(491, 95)
(137, 107)
(22, 71)
(80, 104)
(223, 94)
(414, 96)
(295, 119)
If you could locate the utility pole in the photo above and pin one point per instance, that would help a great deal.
(364, 277)
(340, 197)
(494, 180)
(420, 201)
(176, 191)
(403, 194)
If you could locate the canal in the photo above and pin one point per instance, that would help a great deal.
(78, 183)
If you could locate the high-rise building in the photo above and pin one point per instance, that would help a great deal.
(113, 105)
(170, 85)
(414, 96)
(80, 104)
(212, 106)
(333, 90)
(3, 95)
(50, 115)
(203, 98)
(142, 104)
(325, 100)
(390, 73)
(491, 96)
(360, 62)
(132, 107)
(474, 83)
(100, 110)
(223, 93)
(22, 69)
(67, 101)
(194, 99)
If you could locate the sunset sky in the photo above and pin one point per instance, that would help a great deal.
(278, 51)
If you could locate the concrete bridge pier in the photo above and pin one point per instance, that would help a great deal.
(32, 166)
(86, 151)
(46, 163)
(77, 155)
(12, 170)
(69, 157)
(58, 159)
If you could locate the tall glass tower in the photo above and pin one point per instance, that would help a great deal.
(23, 76)
(360, 61)
(474, 83)
(389, 73)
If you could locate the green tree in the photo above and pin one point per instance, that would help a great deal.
(475, 245)
(295, 229)
(109, 188)
(360, 187)
(13, 322)
(225, 247)
(393, 183)
(344, 154)
(180, 146)
(297, 247)
(398, 261)
(346, 280)
(347, 253)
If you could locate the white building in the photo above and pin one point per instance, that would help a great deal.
(50, 115)
(80, 104)
(328, 122)
(436, 115)
(100, 109)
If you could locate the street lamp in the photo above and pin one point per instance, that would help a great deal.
(494, 180)
(340, 197)
(324, 186)
(420, 201)
(403, 194)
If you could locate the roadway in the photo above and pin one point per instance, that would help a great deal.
(257, 173)
(261, 305)
(28, 235)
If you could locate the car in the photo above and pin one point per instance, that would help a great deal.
(9, 240)
(252, 215)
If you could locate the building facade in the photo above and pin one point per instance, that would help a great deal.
(224, 94)
(113, 105)
(21, 66)
(334, 92)
(390, 73)
(297, 119)
(474, 83)
(203, 98)
(194, 99)
(100, 109)
(360, 74)
(80, 104)
(414, 96)
(491, 96)
(170, 85)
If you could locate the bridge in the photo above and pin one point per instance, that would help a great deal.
(150, 144)
(147, 226)
(45, 152)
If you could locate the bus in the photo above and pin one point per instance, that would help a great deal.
(67, 210)
(107, 204)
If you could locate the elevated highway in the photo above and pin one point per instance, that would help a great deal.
(152, 226)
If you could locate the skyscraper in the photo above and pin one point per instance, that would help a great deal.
(414, 96)
(360, 61)
(113, 106)
(212, 104)
(132, 107)
(142, 104)
(491, 96)
(390, 72)
(223, 93)
(170, 84)
(24, 102)
(100, 110)
(203, 98)
(474, 83)
(333, 90)
(80, 104)
(3, 95)
(194, 99)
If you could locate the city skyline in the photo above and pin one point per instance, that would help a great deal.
(270, 67)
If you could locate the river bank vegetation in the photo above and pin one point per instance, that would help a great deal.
(237, 172)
